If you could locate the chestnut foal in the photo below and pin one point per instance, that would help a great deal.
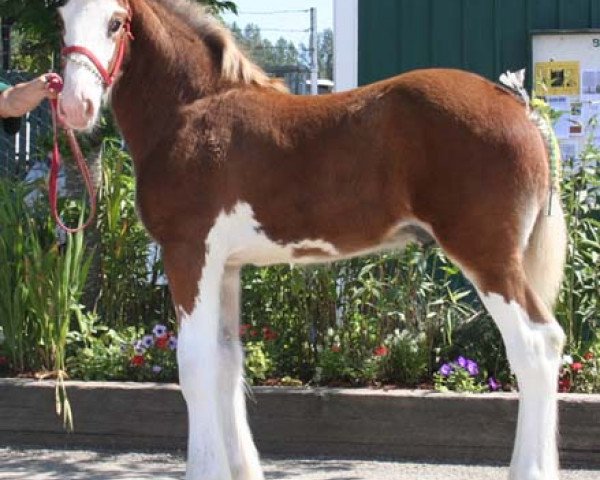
(231, 170)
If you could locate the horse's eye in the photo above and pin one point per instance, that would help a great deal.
(114, 26)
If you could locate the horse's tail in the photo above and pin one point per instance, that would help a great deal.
(545, 255)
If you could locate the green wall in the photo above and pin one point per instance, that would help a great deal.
(484, 36)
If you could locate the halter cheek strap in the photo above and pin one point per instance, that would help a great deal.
(107, 76)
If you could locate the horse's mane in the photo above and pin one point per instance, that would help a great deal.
(236, 67)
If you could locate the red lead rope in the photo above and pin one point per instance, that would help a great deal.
(55, 83)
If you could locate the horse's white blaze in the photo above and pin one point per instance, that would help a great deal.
(534, 352)
(86, 25)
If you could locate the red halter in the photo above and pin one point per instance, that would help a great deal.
(108, 76)
(55, 83)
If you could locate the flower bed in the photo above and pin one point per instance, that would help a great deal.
(359, 423)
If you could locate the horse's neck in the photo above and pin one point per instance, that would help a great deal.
(168, 67)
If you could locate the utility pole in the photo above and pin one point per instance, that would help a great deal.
(314, 57)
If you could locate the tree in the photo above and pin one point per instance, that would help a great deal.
(37, 33)
(325, 54)
(266, 54)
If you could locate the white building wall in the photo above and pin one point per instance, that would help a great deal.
(345, 44)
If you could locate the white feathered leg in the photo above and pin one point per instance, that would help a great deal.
(243, 456)
(534, 351)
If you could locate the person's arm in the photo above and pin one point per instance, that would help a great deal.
(18, 100)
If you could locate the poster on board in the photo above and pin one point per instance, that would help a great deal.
(566, 72)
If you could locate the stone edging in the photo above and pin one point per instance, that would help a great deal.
(396, 424)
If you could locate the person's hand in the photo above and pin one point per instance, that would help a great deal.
(49, 82)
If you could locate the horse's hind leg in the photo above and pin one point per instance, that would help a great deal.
(517, 279)
(243, 456)
(534, 343)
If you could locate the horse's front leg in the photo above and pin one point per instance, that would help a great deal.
(195, 276)
(243, 457)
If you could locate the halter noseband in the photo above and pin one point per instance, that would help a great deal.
(104, 75)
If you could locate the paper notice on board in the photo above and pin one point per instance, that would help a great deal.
(590, 112)
(569, 150)
(590, 84)
(562, 105)
(557, 78)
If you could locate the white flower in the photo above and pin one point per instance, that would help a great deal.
(156, 369)
(159, 331)
(567, 360)
(147, 341)
(139, 348)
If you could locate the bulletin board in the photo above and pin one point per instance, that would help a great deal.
(566, 72)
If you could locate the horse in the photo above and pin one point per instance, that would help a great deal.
(232, 170)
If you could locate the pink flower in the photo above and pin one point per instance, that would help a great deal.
(577, 367)
(380, 351)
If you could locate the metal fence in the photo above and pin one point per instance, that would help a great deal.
(18, 152)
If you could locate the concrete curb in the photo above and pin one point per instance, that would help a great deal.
(397, 424)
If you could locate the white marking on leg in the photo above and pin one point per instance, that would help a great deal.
(198, 359)
(243, 457)
(534, 352)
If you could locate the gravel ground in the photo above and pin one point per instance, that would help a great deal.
(79, 465)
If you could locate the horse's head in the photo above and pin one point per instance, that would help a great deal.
(95, 34)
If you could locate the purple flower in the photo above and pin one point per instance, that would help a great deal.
(472, 368)
(147, 341)
(494, 384)
(159, 331)
(462, 362)
(156, 369)
(445, 370)
(173, 342)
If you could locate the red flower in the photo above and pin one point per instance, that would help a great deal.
(336, 348)
(577, 367)
(137, 361)
(269, 334)
(380, 351)
(588, 356)
(564, 385)
(3, 361)
(244, 329)
(253, 332)
(162, 343)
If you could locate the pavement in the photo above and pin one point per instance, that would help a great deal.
(31, 464)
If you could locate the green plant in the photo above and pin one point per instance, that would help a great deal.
(257, 362)
(579, 300)
(406, 358)
(130, 290)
